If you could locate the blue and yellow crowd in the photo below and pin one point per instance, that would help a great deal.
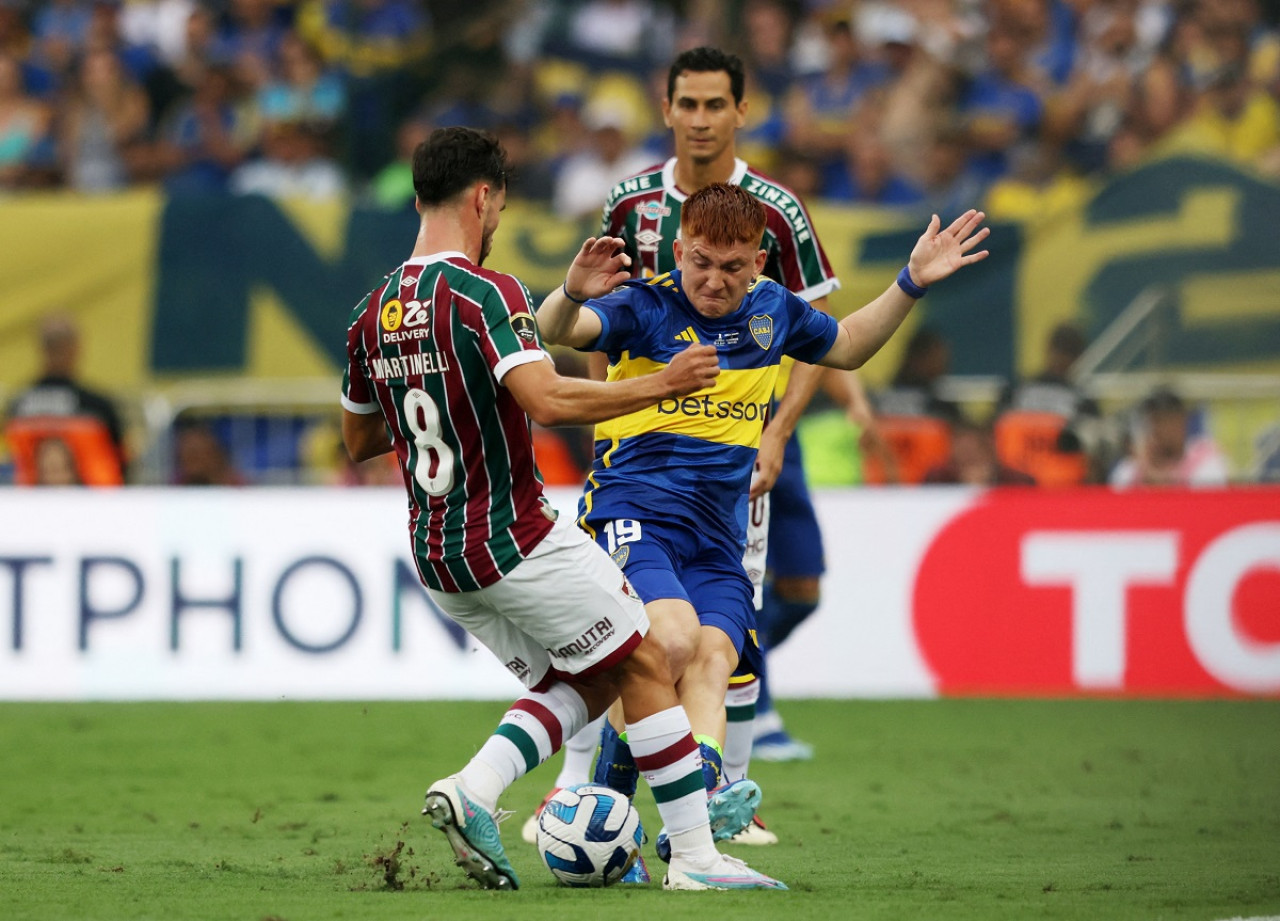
(919, 105)
(912, 104)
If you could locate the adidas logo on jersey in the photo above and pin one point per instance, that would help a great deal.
(687, 335)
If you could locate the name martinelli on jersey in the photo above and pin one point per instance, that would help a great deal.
(384, 369)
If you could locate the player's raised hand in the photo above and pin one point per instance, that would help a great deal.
(600, 266)
(692, 370)
(939, 253)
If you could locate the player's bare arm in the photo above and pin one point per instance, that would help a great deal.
(801, 386)
(938, 254)
(598, 268)
(365, 435)
(550, 399)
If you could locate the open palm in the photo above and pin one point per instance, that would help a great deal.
(940, 253)
(599, 267)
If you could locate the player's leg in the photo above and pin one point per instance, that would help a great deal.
(579, 752)
(721, 592)
(702, 691)
(740, 711)
(649, 557)
(661, 740)
(548, 602)
(574, 592)
(792, 593)
(744, 687)
(616, 765)
(464, 805)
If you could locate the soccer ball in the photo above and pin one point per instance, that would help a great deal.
(588, 835)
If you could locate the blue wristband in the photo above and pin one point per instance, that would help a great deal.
(564, 286)
(907, 285)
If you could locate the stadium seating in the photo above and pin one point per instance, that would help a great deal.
(96, 458)
(1028, 441)
(918, 443)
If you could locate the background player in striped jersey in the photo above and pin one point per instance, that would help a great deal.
(704, 108)
(446, 368)
(667, 493)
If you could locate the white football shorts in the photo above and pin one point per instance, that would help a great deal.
(565, 610)
(757, 552)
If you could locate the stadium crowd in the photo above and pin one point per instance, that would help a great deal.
(919, 105)
(912, 104)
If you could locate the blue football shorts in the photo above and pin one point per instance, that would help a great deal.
(671, 560)
(795, 540)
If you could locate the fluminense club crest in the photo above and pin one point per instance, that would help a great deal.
(761, 330)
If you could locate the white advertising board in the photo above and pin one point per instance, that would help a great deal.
(311, 594)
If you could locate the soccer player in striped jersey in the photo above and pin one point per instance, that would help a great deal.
(446, 368)
(667, 495)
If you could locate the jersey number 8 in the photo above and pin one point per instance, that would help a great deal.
(423, 419)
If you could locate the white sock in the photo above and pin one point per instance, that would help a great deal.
(667, 756)
(579, 752)
(766, 723)
(531, 731)
(740, 709)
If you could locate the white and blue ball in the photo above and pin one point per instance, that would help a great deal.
(588, 835)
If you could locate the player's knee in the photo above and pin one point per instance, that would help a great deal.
(648, 662)
(598, 691)
(677, 632)
(713, 664)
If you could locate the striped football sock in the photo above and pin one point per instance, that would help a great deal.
(530, 732)
(668, 758)
(740, 709)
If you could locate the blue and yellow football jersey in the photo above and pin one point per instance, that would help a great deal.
(691, 458)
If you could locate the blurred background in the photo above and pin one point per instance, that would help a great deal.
(195, 194)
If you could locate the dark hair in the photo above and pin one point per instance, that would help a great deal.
(1067, 340)
(451, 159)
(708, 60)
(1163, 401)
(723, 214)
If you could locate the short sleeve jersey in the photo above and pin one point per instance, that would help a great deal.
(692, 457)
(428, 349)
(644, 210)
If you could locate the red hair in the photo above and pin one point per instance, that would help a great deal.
(723, 215)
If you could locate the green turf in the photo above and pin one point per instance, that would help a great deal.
(941, 810)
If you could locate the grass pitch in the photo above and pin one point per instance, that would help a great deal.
(962, 809)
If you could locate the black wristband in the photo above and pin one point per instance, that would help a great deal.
(564, 286)
(909, 286)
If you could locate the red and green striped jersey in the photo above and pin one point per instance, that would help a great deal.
(428, 349)
(644, 210)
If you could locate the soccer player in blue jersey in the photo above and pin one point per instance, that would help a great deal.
(667, 495)
(704, 108)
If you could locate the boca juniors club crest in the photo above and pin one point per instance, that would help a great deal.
(761, 330)
(620, 557)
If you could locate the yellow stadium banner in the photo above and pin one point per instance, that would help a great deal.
(247, 288)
